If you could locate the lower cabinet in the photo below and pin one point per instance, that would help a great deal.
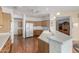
(37, 32)
(7, 47)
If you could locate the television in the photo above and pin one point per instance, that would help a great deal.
(63, 24)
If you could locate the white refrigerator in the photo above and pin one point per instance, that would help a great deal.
(29, 30)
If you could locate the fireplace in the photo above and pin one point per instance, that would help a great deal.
(63, 25)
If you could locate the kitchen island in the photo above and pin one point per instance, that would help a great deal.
(58, 43)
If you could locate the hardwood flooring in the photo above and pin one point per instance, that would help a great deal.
(29, 45)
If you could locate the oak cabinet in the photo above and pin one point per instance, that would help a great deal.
(39, 23)
(1, 20)
(5, 22)
(37, 32)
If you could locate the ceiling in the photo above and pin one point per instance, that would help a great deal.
(43, 11)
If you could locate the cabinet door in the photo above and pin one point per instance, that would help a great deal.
(1, 20)
(6, 22)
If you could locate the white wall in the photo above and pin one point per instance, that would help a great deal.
(15, 27)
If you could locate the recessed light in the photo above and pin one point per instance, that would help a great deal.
(58, 13)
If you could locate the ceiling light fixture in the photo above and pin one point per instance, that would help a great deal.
(58, 13)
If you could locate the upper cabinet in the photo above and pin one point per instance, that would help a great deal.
(5, 22)
(39, 23)
(1, 20)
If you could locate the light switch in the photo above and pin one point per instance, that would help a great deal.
(0, 26)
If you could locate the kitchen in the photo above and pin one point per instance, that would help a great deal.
(38, 29)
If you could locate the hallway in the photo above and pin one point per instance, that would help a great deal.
(29, 45)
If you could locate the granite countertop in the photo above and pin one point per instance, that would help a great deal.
(53, 38)
(44, 36)
(3, 39)
(59, 37)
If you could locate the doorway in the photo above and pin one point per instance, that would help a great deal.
(18, 31)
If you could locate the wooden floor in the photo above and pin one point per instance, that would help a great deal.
(29, 45)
